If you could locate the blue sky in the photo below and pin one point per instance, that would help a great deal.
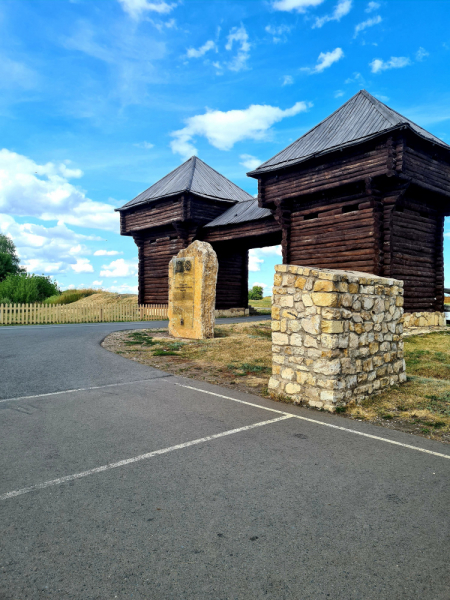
(100, 99)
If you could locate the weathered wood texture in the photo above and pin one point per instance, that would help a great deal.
(249, 230)
(154, 214)
(232, 277)
(203, 210)
(416, 231)
(393, 228)
(155, 254)
(428, 166)
(183, 208)
(340, 235)
(336, 169)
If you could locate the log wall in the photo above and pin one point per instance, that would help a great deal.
(340, 168)
(153, 214)
(427, 166)
(417, 232)
(340, 235)
(232, 278)
(202, 211)
(155, 253)
(262, 228)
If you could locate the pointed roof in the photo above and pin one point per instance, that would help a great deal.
(193, 176)
(359, 119)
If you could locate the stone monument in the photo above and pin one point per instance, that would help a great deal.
(192, 292)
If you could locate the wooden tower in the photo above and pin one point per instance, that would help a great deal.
(170, 214)
(366, 189)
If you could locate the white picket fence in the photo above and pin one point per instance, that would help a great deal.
(39, 314)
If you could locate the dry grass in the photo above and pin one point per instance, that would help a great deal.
(422, 404)
(108, 298)
(240, 357)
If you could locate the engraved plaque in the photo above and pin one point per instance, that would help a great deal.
(183, 292)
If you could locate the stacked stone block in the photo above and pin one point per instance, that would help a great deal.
(336, 335)
(424, 319)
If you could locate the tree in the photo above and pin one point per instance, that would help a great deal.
(25, 288)
(6, 265)
(9, 261)
(256, 293)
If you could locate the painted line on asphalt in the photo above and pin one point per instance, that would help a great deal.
(346, 429)
(18, 327)
(95, 387)
(129, 461)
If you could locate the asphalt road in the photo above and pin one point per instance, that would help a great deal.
(139, 486)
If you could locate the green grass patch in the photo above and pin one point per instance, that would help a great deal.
(70, 296)
(247, 368)
(162, 352)
(266, 302)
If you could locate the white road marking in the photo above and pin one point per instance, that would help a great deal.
(368, 435)
(17, 327)
(95, 387)
(129, 461)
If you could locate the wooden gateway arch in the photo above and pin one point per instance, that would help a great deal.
(366, 189)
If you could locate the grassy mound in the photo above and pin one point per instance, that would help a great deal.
(99, 297)
(70, 296)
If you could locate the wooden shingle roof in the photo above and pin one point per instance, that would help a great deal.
(193, 176)
(361, 118)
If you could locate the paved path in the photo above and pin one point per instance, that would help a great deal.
(148, 486)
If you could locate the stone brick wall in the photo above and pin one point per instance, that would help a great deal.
(336, 335)
(424, 319)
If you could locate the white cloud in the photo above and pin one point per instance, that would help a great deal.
(83, 265)
(250, 162)
(35, 265)
(106, 252)
(254, 262)
(256, 256)
(44, 191)
(369, 23)
(372, 6)
(270, 250)
(136, 8)
(395, 62)
(97, 283)
(240, 36)
(342, 8)
(338, 93)
(421, 54)
(325, 60)
(224, 129)
(37, 245)
(278, 32)
(119, 268)
(144, 145)
(299, 6)
(288, 80)
(193, 53)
